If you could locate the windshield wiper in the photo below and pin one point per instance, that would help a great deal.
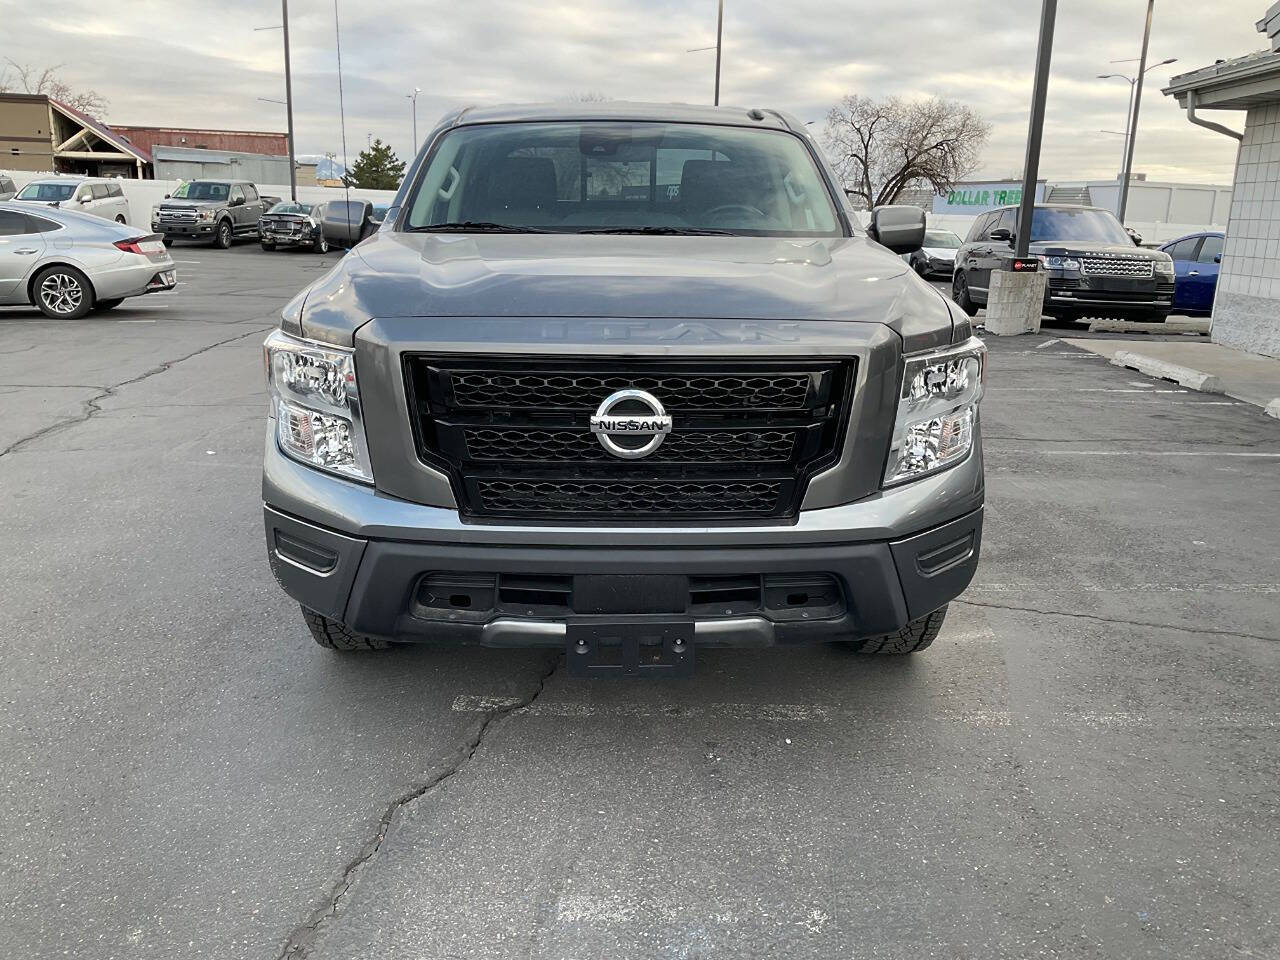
(665, 231)
(475, 226)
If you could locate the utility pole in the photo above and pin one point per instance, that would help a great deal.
(414, 97)
(719, 37)
(1039, 94)
(288, 103)
(1133, 119)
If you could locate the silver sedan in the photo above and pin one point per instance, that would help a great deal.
(69, 263)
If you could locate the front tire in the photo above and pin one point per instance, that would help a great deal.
(332, 635)
(222, 236)
(167, 240)
(267, 246)
(914, 637)
(321, 245)
(63, 293)
(960, 294)
(120, 219)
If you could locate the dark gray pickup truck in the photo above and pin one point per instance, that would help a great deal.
(214, 210)
(628, 381)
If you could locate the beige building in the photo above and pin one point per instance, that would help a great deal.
(25, 140)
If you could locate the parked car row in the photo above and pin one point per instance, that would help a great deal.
(220, 211)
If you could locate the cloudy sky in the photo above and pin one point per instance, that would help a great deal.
(197, 63)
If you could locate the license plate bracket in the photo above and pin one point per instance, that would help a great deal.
(630, 648)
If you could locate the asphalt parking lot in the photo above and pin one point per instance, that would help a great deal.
(1083, 766)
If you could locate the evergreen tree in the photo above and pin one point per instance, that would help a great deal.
(375, 169)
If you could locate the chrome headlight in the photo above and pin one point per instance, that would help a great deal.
(1060, 263)
(316, 405)
(937, 410)
(1164, 267)
(204, 214)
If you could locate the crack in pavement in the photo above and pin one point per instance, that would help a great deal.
(302, 939)
(1118, 620)
(90, 408)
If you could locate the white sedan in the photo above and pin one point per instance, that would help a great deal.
(69, 263)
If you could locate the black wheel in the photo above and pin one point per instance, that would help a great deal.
(167, 240)
(267, 246)
(912, 638)
(960, 294)
(222, 235)
(108, 304)
(62, 292)
(921, 268)
(1158, 317)
(335, 636)
(120, 218)
(321, 244)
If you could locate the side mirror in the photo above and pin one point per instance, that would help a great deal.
(1217, 258)
(898, 227)
(235, 201)
(1001, 234)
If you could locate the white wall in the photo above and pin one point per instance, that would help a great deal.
(144, 194)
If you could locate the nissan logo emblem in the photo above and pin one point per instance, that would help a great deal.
(654, 424)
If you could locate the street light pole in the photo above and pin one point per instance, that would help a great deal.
(1035, 131)
(288, 103)
(414, 97)
(1133, 116)
(719, 36)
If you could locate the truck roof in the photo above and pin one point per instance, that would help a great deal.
(626, 110)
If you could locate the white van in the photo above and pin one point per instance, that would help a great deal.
(96, 195)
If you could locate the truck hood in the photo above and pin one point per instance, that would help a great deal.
(180, 204)
(395, 274)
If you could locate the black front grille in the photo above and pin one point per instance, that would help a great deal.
(514, 435)
(489, 388)
(549, 446)
(631, 498)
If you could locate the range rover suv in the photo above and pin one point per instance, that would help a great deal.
(1094, 269)
(625, 380)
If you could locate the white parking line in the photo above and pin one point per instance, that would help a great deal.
(1029, 586)
(816, 713)
(1137, 454)
(135, 321)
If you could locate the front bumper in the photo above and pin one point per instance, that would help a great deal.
(360, 557)
(197, 228)
(1118, 293)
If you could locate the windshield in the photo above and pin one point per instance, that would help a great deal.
(1092, 226)
(941, 238)
(290, 207)
(605, 176)
(200, 190)
(47, 191)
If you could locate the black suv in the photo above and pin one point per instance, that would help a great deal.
(1093, 266)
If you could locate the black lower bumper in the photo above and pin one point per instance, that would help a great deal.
(390, 589)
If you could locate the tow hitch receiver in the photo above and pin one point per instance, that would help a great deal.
(630, 648)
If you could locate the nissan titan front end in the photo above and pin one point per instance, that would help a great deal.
(628, 383)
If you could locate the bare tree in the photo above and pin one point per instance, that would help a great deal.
(24, 78)
(586, 96)
(881, 147)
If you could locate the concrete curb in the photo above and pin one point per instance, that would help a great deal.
(1273, 408)
(1189, 325)
(1162, 369)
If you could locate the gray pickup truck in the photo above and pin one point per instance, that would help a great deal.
(626, 380)
(213, 210)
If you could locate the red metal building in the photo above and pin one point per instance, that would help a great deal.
(236, 141)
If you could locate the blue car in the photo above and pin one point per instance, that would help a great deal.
(1196, 259)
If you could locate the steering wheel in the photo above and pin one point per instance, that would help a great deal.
(730, 207)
